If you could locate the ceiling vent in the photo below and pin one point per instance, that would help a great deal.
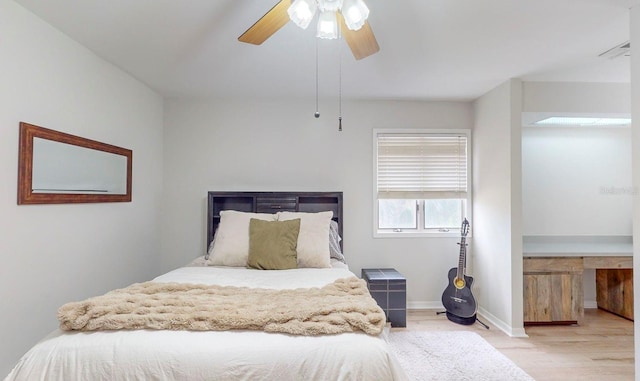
(622, 50)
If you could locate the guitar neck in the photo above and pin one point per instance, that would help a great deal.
(462, 261)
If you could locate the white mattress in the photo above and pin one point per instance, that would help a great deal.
(214, 355)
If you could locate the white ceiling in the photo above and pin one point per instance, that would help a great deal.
(429, 49)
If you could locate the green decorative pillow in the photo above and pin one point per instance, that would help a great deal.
(272, 244)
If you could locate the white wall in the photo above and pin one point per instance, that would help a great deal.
(635, 166)
(576, 97)
(572, 175)
(277, 145)
(52, 254)
(576, 181)
(518, 180)
(497, 185)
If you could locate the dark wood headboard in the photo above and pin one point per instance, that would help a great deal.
(271, 202)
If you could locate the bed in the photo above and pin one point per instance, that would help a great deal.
(319, 346)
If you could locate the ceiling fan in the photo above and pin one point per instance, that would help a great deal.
(351, 15)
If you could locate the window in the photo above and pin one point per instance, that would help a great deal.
(421, 182)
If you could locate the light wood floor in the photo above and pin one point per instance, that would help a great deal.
(600, 349)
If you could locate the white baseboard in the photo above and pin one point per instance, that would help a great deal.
(485, 317)
(504, 327)
(590, 304)
(425, 306)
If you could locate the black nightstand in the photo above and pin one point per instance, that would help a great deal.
(389, 288)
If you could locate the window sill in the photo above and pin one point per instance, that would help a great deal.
(449, 234)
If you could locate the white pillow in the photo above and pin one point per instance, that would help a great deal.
(335, 251)
(230, 245)
(313, 239)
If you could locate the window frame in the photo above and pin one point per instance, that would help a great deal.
(420, 231)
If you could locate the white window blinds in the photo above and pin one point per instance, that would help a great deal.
(421, 166)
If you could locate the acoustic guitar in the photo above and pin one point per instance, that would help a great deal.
(457, 298)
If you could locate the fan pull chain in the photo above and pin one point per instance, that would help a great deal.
(340, 80)
(317, 114)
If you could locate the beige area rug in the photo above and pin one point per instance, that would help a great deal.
(452, 355)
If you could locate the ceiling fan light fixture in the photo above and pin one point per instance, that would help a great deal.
(330, 5)
(355, 13)
(327, 25)
(301, 12)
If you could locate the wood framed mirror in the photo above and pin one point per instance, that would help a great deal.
(59, 168)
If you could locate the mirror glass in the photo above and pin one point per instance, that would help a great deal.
(65, 168)
(56, 167)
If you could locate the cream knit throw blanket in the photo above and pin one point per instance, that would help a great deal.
(342, 306)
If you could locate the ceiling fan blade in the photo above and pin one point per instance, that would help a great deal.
(362, 42)
(268, 24)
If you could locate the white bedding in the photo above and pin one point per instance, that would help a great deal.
(214, 355)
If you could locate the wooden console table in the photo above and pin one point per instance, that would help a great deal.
(553, 287)
(614, 284)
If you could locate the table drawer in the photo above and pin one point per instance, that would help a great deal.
(275, 204)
